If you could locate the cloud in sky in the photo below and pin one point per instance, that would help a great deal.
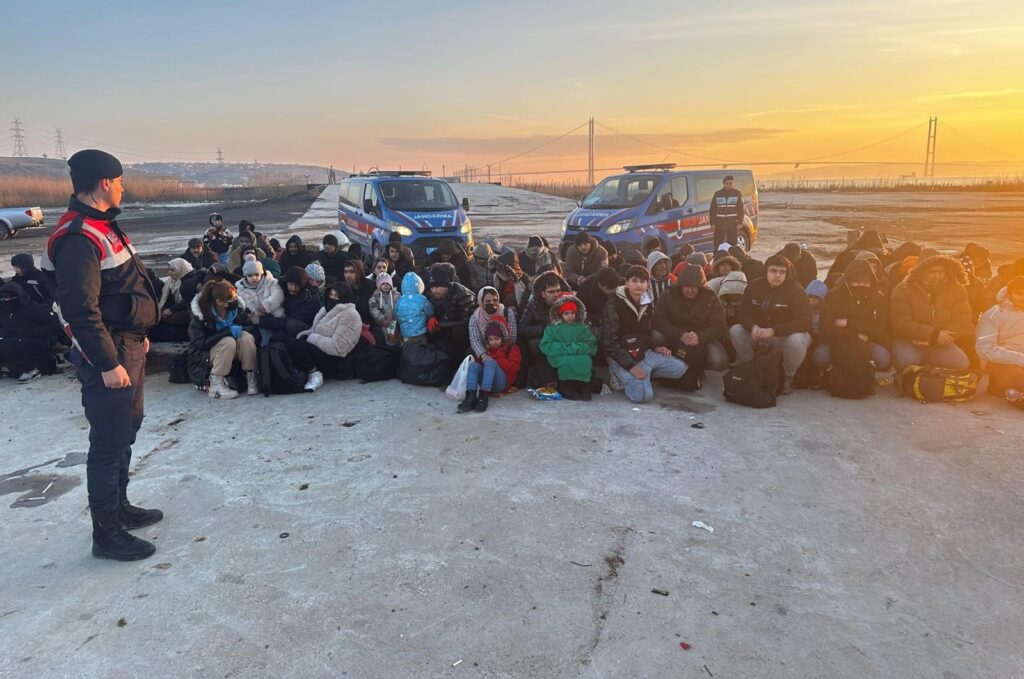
(980, 94)
(496, 148)
(820, 108)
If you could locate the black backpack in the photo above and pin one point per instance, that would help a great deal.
(277, 374)
(754, 383)
(376, 362)
(852, 373)
(177, 371)
(425, 364)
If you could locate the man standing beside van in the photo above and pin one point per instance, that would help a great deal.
(726, 213)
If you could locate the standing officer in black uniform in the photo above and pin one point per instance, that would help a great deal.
(726, 215)
(106, 304)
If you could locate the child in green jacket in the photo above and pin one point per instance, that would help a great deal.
(568, 344)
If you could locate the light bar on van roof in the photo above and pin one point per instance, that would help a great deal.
(396, 173)
(643, 168)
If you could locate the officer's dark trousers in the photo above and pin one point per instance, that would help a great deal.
(726, 234)
(115, 416)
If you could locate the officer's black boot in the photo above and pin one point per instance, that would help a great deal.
(133, 517)
(110, 541)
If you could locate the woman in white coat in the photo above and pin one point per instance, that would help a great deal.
(335, 332)
(262, 295)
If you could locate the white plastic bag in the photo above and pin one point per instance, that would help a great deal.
(456, 391)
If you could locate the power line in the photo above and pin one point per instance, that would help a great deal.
(133, 151)
(998, 163)
(540, 146)
(866, 146)
(971, 140)
(659, 146)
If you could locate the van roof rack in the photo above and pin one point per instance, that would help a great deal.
(661, 167)
(396, 173)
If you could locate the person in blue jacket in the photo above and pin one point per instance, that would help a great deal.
(413, 310)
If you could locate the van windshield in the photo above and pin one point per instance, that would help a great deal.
(418, 195)
(625, 190)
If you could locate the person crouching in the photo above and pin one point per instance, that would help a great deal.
(220, 332)
(497, 370)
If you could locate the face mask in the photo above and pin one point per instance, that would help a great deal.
(491, 308)
(330, 303)
(860, 293)
(232, 305)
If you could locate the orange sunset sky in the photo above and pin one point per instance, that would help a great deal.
(457, 83)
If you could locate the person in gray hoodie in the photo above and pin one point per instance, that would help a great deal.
(479, 268)
(659, 265)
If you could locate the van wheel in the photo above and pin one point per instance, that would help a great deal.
(743, 240)
(6, 231)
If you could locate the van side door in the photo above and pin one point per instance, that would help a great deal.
(663, 214)
(373, 214)
(705, 185)
(347, 220)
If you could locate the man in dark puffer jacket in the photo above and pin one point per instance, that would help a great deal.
(774, 311)
(691, 319)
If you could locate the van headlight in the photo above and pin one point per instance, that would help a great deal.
(619, 227)
(467, 226)
(400, 228)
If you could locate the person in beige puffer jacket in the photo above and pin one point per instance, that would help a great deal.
(1000, 341)
(931, 316)
(335, 332)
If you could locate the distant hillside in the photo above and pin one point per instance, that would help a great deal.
(239, 174)
(33, 167)
(207, 174)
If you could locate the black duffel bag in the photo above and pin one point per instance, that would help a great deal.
(425, 364)
(754, 383)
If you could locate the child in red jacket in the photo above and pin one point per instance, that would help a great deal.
(497, 372)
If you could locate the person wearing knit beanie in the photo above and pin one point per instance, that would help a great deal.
(439, 278)
(383, 307)
(252, 268)
(568, 306)
(315, 272)
(568, 344)
(494, 329)
(496, 370)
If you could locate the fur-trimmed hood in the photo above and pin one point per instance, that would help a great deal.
(544, 280)
(506, 335)
(581, 313)
(954, 269)
(198, 313)
(736, 264)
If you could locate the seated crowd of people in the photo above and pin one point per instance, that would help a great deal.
(528, 318)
